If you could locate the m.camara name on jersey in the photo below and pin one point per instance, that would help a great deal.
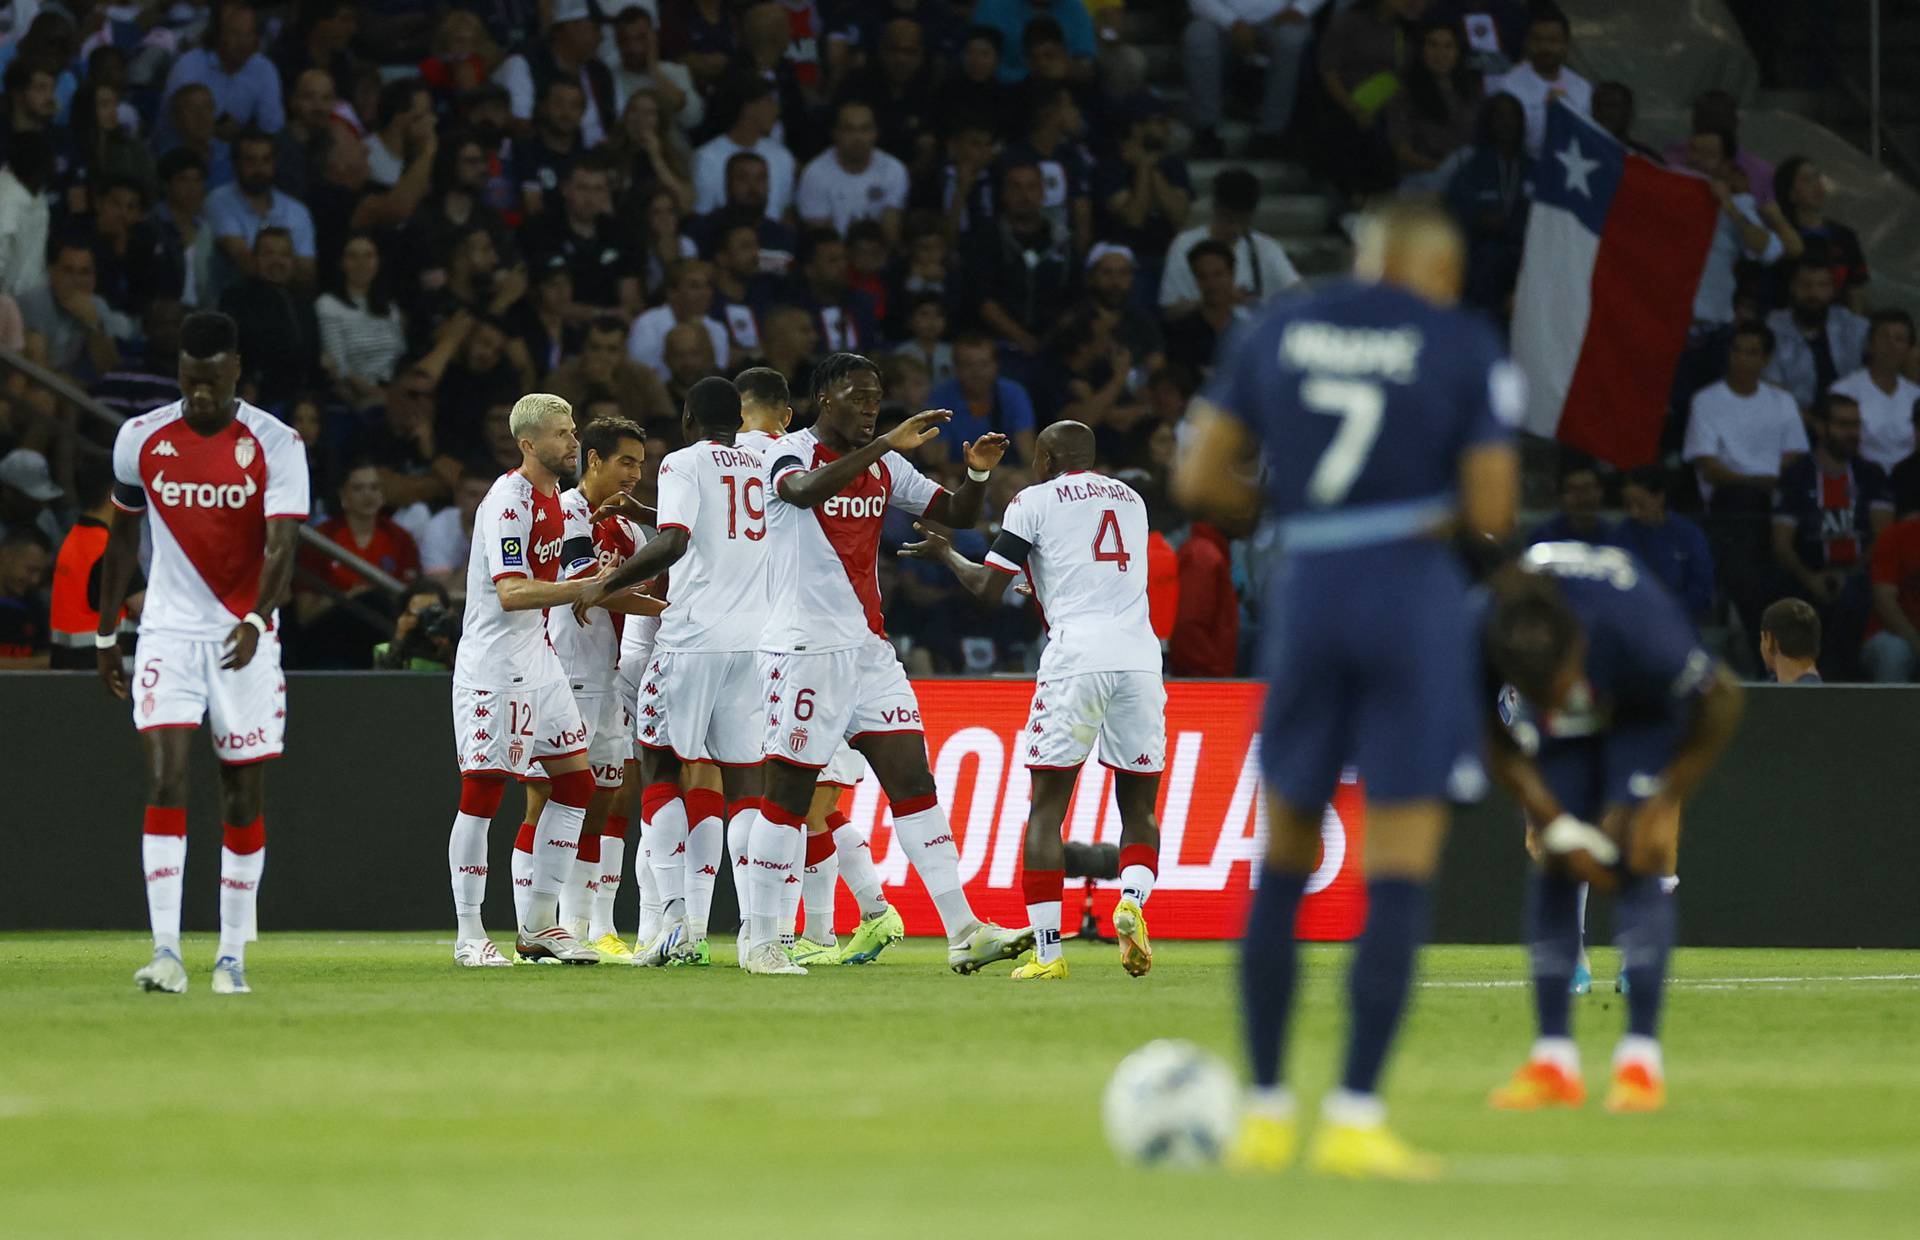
(856, 506)
(1090, 488)
(1393, 354)
(202, 494)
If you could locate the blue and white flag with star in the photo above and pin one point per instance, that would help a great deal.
(1614, 251)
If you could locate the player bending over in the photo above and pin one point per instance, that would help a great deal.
(226, 484)
(1081, 540)
(512, 705)
(1381, 415)
(614, 451)
(830, 672)
(1620, 715)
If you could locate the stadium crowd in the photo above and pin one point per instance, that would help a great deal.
(419, 210)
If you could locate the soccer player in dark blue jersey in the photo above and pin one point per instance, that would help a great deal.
(1380, 417)
(1617, 714)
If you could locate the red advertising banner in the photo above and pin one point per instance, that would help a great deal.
(1212, 816)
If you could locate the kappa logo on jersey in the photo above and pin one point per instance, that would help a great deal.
(1143, 760)
(856, 507)
(243, 453)
(165, 448)
(481, 712)
(202, 494)
(510, 514)
(512, 554)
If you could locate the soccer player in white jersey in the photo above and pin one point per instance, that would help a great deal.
(511, 704)
(612, 451)
(227, 486)
(1081, 540)
(700, 694)
(831, 673)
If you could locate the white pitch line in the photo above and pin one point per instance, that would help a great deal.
(1720, 982)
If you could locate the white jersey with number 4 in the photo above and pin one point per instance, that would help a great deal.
(210, 497)
(1082, 540)
(717, 493)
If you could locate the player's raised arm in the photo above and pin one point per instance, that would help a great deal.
(811, 488)
(984, 581)
(1212, 477)
(961, 508)
(662, 552)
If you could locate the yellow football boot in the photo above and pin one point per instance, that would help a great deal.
(1368, 1152)
(1130, 927)
(1263, 1144)
(1034, 971)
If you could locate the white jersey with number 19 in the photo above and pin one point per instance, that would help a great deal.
(717, 493)
(1082, 539)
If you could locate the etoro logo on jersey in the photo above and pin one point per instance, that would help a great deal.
(170, 493)
(856, 507)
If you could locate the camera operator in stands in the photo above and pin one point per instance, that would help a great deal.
(424, 635)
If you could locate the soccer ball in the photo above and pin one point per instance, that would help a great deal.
(1170, 1104)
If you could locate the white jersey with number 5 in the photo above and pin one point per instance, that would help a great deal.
(1082, 540)
(717, 493)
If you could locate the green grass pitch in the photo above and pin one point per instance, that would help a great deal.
(370, 1089)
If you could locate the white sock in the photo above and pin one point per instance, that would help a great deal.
(467, 860)
(1634, 1049)
(939, 867)
(739, 832)
(240, 900)
(1136, 884)
(1562, 1053)
(607, 886)
(816, 893)
(790, 888)
(1271, 1101)
(854, 855)
(770, 862)
(704, 845)
(164, 859)
(576, 895)
(521, 865)
(1343, 1106)
(1044, 917)
(649, 897)
(556, 840)
(664, 844)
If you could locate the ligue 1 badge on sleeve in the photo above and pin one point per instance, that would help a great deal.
(243, 451)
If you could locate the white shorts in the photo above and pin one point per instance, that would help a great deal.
(1127, 711)
(845, 769)
(178, 681)
(703, 705)
(609, 734)
(816, 701)
(507, 732)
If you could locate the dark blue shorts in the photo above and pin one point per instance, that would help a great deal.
(1371, 661)
(1591, 775)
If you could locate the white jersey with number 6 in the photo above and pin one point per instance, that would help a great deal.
(717, 493)
(1082, 541)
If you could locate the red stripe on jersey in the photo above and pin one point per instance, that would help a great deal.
(851, 521)
(211, 490)
(545, 538)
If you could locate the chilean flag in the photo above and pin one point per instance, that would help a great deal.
(1615, 247)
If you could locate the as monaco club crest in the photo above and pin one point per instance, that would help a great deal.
(797, 741)
(243, 453)
(514, 752)
(146, 704)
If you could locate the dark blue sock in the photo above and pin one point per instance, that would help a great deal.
(1644, 911)
(1267, 969)
(1553, 933)
(1382, 970)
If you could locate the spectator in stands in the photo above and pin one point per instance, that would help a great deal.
(447, 538)
(689, 297)
(646, 151)
(151, 381)
(239, 211)
(191, 121)
(1489, 196)
(1742, 432)
(926, 320)
(1432, 121)
(1790, 642)
(1717, 111)
(396, 130)
(342, 198)
(1111, 271)
(279, 333)
(1086, 376)
(566, 53)
(102, 149)
(1892, 650)
(899, 86)
(1613, 111)
(844, 315)
(132, 261)
(27, 491)
(459, 57)
(25, 214)
(583, 233)
(1145, 195)
(1261, 268)
(906, 386)
(1905, 478)
(1272, 34)
(246, 89)
(603, 368)
(1579, 519)
(1194, 338)
(1745, 229)
(1882, 390)
(1818, 340)
(703, 35)
(541, 157)
(983, 400)
(690, 357)
(1542, 75)
(967, 185)
(1011, 18)
(1051, 142)
(83, 333)
(362, 332)
(1801, 191)
(1360, 62)
(417, 452)
(1672, 547)
(25, 561)
(320, 36)
(310, 117)
(631, 51)
(747, 191)
(31, 102)
(756, 111)
(792, 347)
(742, 291)
(975, 94)
(1206, 627)
(853, 179)
(1018, 267)
(182, 217)
(1829, 509)
(488, 366)
(331, 600)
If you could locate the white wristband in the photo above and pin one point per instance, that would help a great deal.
(253, 618)
(979, 475)
(106, 641)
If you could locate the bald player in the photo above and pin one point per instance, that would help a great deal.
(1382, 416)
(1080, 539)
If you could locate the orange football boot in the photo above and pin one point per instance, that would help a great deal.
(1636, 1088)
(1539, 1084)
